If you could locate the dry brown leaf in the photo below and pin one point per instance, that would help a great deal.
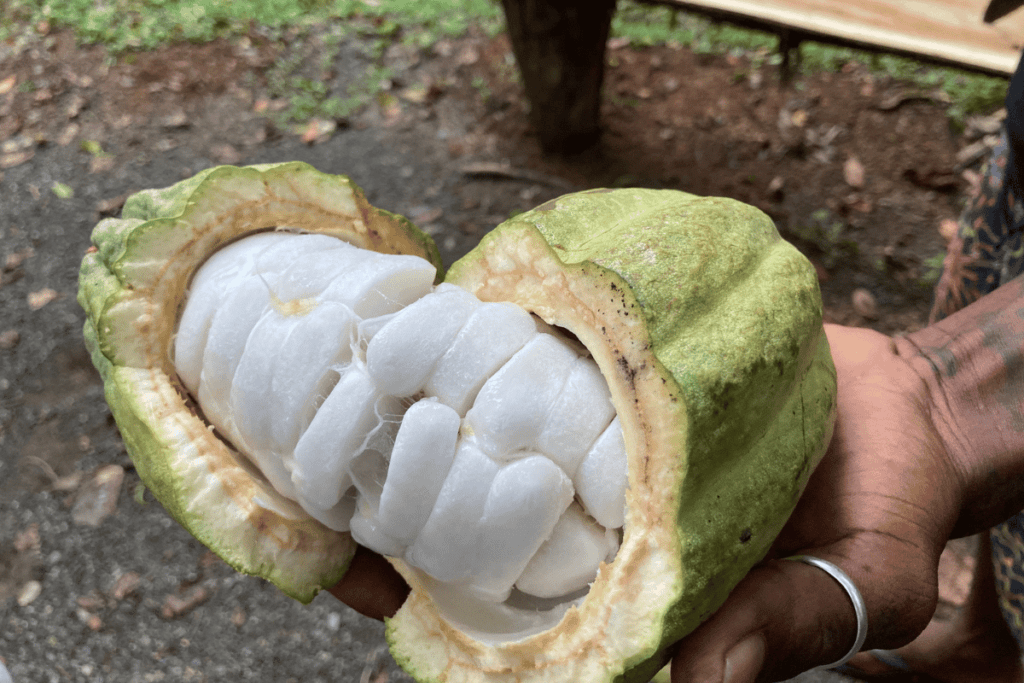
(13, 159)
(7, 84)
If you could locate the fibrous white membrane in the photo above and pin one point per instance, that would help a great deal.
(465, 437)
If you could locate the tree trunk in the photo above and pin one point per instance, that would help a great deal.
(560, 45)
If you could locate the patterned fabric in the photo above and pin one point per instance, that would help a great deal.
(987, 251)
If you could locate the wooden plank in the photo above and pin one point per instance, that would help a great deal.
(941, 30)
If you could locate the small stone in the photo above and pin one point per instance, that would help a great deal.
(238, 617)
(864, 304)
(334, 621)
(775, 188)
(853, 172)
(9, 339)
(29, 592)
(40, 298)
(97, 499)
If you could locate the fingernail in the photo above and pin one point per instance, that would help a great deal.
(743, 662)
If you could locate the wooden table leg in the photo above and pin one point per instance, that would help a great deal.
(560, 46)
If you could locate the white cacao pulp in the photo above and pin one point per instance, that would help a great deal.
(464, 437)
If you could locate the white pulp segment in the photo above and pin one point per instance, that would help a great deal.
(277, 257)
(493, 333)
(578, 416)
(568, 561)
(369, 327)
(448, 542)
(601, 479)
(309, 276)
(335, 436)
(304, 351)
(368, 531)
(368, 470)
(229, 332)
(283, 370)
(210, 286)
(523, 505)
(379, 285)
(339, 517)
(512, 407)
(402, 355)
(423, 453)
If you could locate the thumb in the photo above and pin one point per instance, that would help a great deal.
(784, 618)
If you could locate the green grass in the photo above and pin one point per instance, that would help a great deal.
(125, 26)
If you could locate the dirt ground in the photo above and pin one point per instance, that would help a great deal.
(96, 582)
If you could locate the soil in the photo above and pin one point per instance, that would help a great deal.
(97, 583)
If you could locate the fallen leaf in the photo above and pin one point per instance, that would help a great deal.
(318, 130)
(108, 207)
(63, 191)
(27, 539)
(101, 164)
(125, 585)
(76, 106)
(97, 499)
(177, 119)
(7, 84)
(13, 159)
(176, 606)
(9, 339)
(225, 154)
(798, 118)
(238, 617)
(40, 298)
(853, 172)
(92, 147)
(68, 135)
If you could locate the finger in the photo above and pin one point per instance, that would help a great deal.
(371, 586)
(788, 617)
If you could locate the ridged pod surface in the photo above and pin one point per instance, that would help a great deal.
(705, 324)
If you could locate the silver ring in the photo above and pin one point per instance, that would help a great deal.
(855, 597)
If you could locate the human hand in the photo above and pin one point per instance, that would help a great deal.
(371, 586)
(881, 505)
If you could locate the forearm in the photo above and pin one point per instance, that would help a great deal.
(973, 364)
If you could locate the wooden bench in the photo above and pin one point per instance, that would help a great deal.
(560, 44)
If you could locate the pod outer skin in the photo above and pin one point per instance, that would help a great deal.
(132, 285)
(708, 327)
(706, 324)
